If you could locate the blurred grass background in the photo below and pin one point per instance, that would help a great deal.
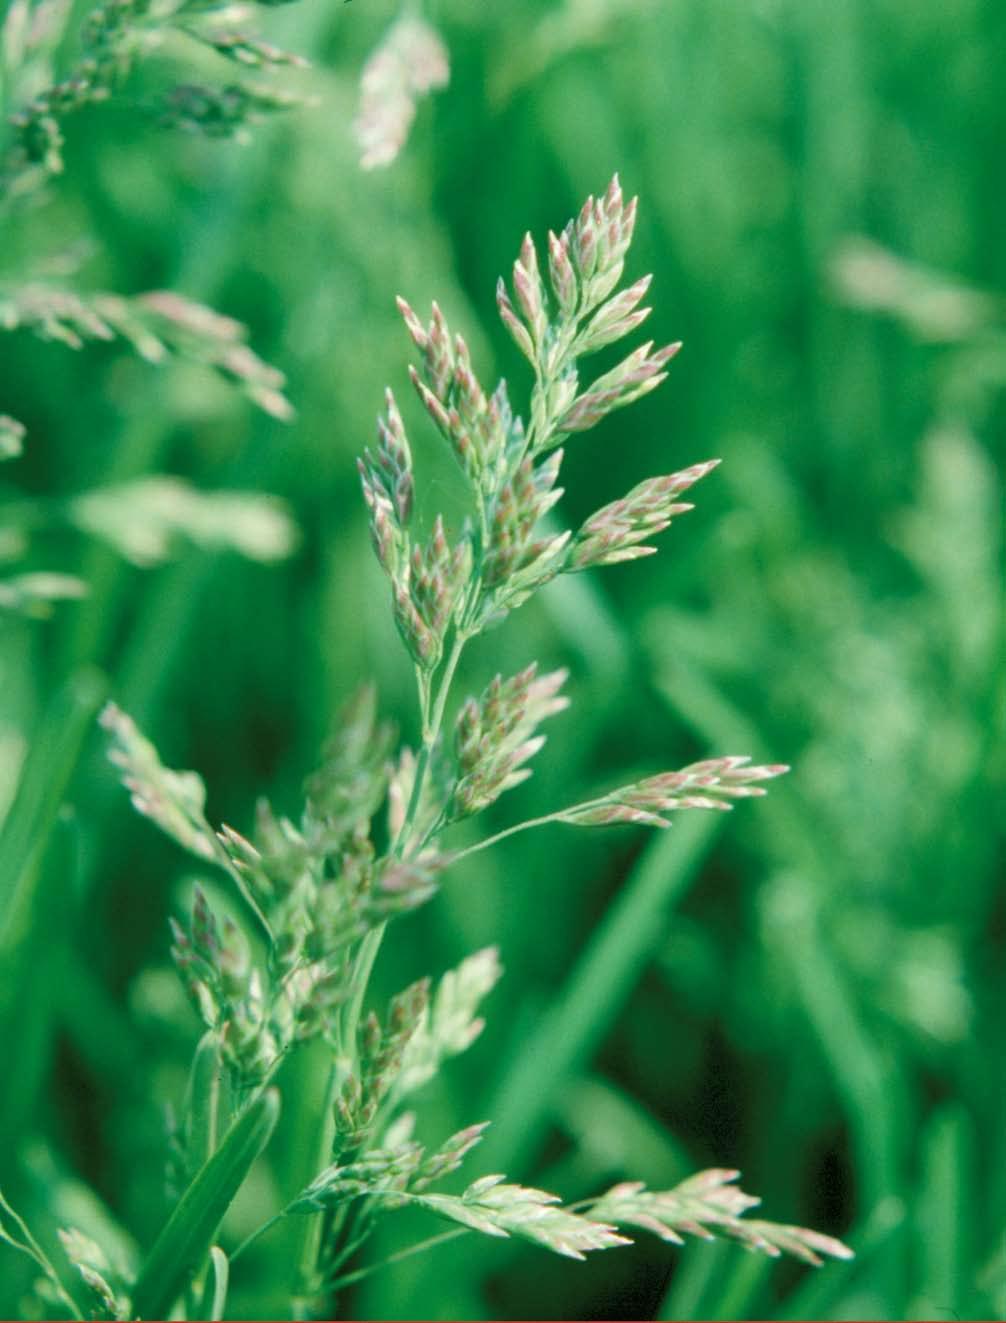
(811, 991)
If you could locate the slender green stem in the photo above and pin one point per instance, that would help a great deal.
(432, 714)
(415, 798)
(423, 688)
(362, 968)
(347, 1251)
(432, 721)
(371, 1268)
(311, 1238)
(257, 1233)
(557, 816)
(511, 831)
(34, 1250)
(460, 639)
(371, 944)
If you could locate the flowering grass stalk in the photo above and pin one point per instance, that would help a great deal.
(374, 838)
(42, 88)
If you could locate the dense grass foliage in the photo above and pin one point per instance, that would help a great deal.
(810, 991)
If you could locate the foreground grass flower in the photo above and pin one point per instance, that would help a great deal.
(373, 838)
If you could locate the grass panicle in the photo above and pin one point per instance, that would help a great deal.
(374, 836)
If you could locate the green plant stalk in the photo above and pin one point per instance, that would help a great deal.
(188, 1236)
(346, 1252)
(347, 1279)
(371, 944)
(33, 1249)
(527, 825)
(309, 1243)
(432, 719)
(258, 1233)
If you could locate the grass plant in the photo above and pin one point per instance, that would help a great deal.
(809, 993)
(372, 841)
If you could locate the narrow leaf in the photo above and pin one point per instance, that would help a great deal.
(203, 1100)
(189, 1233)
(32, 906)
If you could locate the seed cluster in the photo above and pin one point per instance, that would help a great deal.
(112, 38)
(410, 61)
(513, 470)
(494, 736)
(614, 533)
(159, 325)
(710, 784)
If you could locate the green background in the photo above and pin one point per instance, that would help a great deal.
(810, 990)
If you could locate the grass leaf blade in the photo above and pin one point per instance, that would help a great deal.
(190, 1230)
